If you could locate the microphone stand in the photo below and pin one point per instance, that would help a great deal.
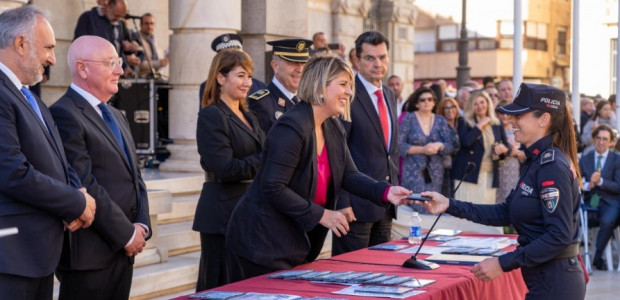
(414, 262)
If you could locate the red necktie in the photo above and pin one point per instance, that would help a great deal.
(383, 116)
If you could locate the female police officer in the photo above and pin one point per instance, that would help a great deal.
(543, 206)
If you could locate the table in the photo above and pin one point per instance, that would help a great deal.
(452, 281)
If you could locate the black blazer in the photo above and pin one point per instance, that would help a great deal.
(230, 151)
(472, 150)
(609, 191)
(269, 224)
(267, 109)
(38, 189)
(368, 150)
(114, 182)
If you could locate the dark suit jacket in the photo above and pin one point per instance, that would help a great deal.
(472, 150)
(267, 107)
(368, 150)
(231, 152)
(114, 182)
(269, 224)
(35, 191)
(609, 191)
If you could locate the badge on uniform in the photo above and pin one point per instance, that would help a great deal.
(548, 156)
(281, 102)
(278, 114)
(550, 198)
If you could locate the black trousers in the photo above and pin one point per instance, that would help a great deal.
(363, 234)
(555, 279)
(212, 271)
(20, 287)
(112, 282)
(240, 268)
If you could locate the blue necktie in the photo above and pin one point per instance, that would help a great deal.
(111, 122)
(32, 102)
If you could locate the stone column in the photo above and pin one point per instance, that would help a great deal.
(265, 20)
(195, 24)
(348, 20)
(396, 19)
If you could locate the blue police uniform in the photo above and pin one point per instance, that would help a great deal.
(269, 104)
(544, 210)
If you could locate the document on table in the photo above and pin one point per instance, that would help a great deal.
(379, 291)
(480, 242)
(425, 250)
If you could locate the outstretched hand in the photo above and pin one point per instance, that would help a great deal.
(438, 204)
(397, 195)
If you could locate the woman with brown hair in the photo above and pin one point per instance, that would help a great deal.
(230, 142)
(544, 205)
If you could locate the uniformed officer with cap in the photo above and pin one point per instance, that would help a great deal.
(224, 41)
(289, 58)
(543, 207)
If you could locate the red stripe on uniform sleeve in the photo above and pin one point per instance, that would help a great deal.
(548, 183)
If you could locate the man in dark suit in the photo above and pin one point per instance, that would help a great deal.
(289, 58)
(38, 189)
(97, 263)
(601, 175)
(373, 142)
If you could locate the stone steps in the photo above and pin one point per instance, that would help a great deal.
(179, 238)
(183, 209)
(177, 274)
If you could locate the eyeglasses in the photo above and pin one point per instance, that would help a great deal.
(429, 99)
(112, 63)
(449, 107)
(494, 95)
(601, 139)
(372, 59)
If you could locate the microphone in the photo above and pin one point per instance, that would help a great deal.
(128, 16)
(413, 262)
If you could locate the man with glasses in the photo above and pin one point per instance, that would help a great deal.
(492, 91)
(111, 27)
(38, 189)
(373, 141)
(97, 262)
(600, 170)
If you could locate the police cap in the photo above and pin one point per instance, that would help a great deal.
(535, 97)
(227, 40)
(295, 50)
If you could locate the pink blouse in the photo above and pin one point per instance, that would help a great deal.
(323, 179)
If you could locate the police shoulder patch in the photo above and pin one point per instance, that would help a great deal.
(260, 94)
(550, 197)
(547, 156)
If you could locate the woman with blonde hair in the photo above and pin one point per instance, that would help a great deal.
(283, 219)
(230, 142)
(483, 143)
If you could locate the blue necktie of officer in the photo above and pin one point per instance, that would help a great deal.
(33, 102)
(111, 122)
(595, 199)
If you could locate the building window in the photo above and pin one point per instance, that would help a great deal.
(506, 34)
(561, 42)
(535, 36)
(449, 36)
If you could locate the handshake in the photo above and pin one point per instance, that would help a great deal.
(87, 217)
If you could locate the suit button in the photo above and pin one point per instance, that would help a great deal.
(471, 152)
(387, 178)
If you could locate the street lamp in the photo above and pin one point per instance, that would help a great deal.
(462, 71)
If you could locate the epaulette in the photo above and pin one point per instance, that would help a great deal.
(547, 156)
(260, 94)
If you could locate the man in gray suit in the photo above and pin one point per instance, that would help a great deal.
(97, 263)
(38, 189)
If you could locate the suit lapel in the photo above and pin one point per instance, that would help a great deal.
(91, 114)
(237, 122)
(364, 98)
(278, 94)
(608, 166)
(46, 116)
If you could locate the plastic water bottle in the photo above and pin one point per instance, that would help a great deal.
(415, 229)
